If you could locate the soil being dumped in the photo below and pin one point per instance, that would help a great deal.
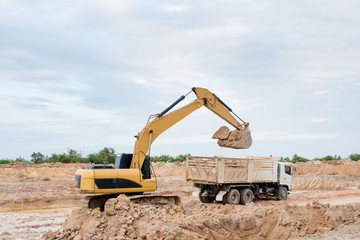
(123, 219)
(237, 139)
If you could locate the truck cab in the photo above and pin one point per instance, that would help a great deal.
(285, 175)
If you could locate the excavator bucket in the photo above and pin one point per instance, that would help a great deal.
(237, 139)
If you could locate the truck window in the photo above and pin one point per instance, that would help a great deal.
(287, 169)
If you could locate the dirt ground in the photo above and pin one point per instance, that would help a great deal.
(38, 201)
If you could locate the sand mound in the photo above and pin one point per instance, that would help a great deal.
(318, 168)
(325, 183)
(123, 219)
(237, 139)
(44, 171)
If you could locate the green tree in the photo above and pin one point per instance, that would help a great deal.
(355, 157)
(286, 159)
(297, 158)
(20, 159)
(58, 158)
(4, 161)
(73, 156)
(37, 158)
(168, 158)
(106, 155)
(328, 158)
(94, 158)
(181, 157)
(162, 158)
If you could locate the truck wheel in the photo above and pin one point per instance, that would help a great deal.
(246, 196)
(206, 199)
(282, 195)
(233, 197)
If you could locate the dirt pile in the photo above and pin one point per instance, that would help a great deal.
(123, 219)
(325, 183)
(45, 171)
(237, 139)
(326, 168)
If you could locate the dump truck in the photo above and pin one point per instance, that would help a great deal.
(238, 180)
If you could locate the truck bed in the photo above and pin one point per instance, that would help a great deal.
(219, 170)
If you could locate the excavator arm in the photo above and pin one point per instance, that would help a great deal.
(165, 120)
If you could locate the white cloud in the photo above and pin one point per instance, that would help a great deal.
(174, 8)
(325, 71)
(142, 82)
(221, 32)
(320, 120)
(321, 92)
(184, 140)
(279, 135)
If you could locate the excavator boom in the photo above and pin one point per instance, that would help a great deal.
(165, 120)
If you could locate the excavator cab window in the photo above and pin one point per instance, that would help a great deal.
(123, 161)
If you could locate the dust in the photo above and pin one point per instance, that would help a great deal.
(237, 139)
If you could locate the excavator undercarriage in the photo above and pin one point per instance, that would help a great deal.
(95, 201)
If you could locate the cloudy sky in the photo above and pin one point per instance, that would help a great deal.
(87, 74)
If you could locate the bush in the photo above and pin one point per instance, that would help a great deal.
(71, 157)
(57, 158)
(107, 155)
(297, 158)
(355, 157)
(4, 161)
(181, 157)
(20, 159)
(328, 158)
(37, 158)
(286, 159)
(168, 158)
(162, 158)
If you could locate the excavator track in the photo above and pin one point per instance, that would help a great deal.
(99, 200)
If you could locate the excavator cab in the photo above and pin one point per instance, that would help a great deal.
(123, 161)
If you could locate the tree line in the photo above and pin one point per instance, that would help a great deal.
(296, 158)
(107, 156)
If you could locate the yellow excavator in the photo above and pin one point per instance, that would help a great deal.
(131, 173)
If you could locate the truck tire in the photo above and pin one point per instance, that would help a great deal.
(233, 197)
(282, 193)
(246, 196)
(206, 199)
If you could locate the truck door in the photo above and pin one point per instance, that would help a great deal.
(285, 175)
